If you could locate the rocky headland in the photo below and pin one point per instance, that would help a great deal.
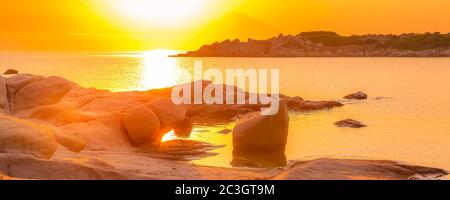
(52, 128)
(329, 44)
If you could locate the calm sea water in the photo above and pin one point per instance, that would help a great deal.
(408, 112)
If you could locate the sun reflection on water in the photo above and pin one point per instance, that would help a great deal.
(158, 69)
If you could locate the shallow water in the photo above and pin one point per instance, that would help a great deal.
(408, 111)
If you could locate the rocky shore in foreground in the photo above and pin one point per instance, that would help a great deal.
(52, 128)
(329, 44)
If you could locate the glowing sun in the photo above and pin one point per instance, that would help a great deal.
(161, 12)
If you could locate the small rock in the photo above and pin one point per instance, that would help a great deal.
(184, 129)
(350, 123)
(358, 95)
(11, 71)
(294, 102)
(225, 131)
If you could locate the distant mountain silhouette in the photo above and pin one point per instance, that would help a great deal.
(236, 25)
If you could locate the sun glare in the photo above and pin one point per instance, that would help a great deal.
(158, 69)
(161, 13)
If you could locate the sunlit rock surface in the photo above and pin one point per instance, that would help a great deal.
(44, 92)
(143, 125)
(51, 128)
(24, 137)
(262, 133)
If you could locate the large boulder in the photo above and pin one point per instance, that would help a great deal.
(262, 133)
(60, 114)
(4, 105)
(169, 114)
(17, 82)
(24, 137)
(143, 126)
(45, 92)
(358, 95)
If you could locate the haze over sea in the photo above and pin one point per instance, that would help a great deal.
(407, 113)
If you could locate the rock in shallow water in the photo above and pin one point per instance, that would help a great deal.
(350, 123)
(169, 114)
(184, 129)
(358, 95)
(10, 72)
(258, 133)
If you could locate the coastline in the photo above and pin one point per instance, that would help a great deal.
(83, 136)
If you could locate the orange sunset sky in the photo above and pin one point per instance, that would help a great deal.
(123, 25)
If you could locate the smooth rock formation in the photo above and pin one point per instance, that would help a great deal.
(143, 126)
(336, 169)
(258, 133)
(169, 114)
(24, 137)
(72, 143)
(96, 135)
(45, 92)
(10, 72)
(358, 95)
(184, 129)
(60, 114)
(350, 123)
(4, 104)
(17, 82)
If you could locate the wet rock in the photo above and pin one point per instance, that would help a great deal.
(10, 72)
(225, 131)
(258, 133)
(350, 123)
(45, 92)
(358, 95)
(184, 129)
(294, 102)
(143, 126)
(24, 137)
(316, 105)
(169, 114)
(259, 160)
